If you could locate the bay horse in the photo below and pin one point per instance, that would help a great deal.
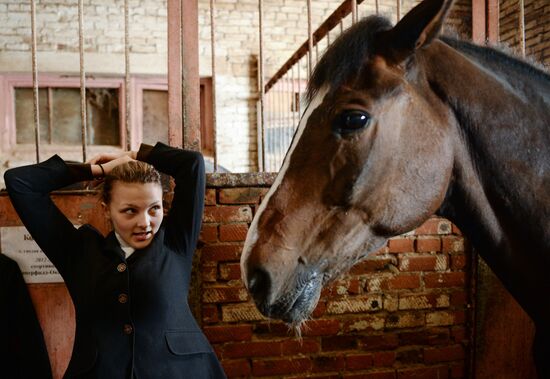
(402, 124)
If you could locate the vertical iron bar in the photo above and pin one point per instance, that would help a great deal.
(299, 91)
(294, 105)
(127, 73)
(309, 39)
(50, 114)
(83, 109)
(35, 82)
(377, 7)
(261, 129)
(398, 10)
(522, 27)
(341, 26)
(213, 54)
(353, 11)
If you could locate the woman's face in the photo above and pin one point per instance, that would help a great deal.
(135, 211)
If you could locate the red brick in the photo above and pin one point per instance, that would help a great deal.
(241, 195)
(222, 252)
(210, 197)
(209, 233)
(452, 244)
(227, 213)
(230, 271)
(402, 282)
(209, 272)
(440, 372)
(401, 245)
(417, 262)
(273, 367)
(359, 361)
(459, 334)
(372, 375)
(236, 368)
(210, 314)
(224, 294)
(320, 309)
(252, 349)
(370, 265)
(409, 355)
(426, 336)
(384, 341)
(322, 363)
(458, 371)
(339, 343)
(271, 329)
(448, 279)
(459, 299)
(233, 232)
(228, 333)
(430, 226)
(458, 262)
(321, 328)
(443, 354)
(384, 358)
(426, 245)
(304, 346)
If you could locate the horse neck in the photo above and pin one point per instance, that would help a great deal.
(501, 174)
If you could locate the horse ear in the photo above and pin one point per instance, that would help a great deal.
(418, 28)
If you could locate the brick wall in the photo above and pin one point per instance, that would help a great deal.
(537, 28)
(403, 313)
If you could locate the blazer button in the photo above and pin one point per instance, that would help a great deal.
(128, 329)
(122, 298)
(121, 267)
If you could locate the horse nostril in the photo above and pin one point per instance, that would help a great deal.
(259, 285)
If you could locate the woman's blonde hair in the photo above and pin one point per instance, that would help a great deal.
(129, 172)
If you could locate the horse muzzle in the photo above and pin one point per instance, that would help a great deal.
(294, 302)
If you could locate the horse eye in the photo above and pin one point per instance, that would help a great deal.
(350, 121)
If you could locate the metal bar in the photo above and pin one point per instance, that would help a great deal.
(175, 111)
(478, 22)
(398, 10)
(127, 84)
(493, 21)
(377, 6)
(299, 91)
(293, 99)
(341, 26)
(309, 39)
(353, 11)
(83, 108)
(50, 115)
(261, 129)
(190, 72)
(213, 54)
(36, 100)
(521, 5)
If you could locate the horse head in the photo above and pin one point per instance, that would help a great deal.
(371, 159)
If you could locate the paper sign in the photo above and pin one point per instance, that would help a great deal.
(19, 245)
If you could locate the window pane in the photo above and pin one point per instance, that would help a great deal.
(102, 115)
(24, 115)
(155, 116)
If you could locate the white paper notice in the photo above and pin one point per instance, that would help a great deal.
(18, 244)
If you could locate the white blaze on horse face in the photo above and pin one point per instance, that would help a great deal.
(253, 234)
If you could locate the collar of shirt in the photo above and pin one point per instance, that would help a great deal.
(128, 250)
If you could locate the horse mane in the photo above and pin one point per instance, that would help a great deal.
(498, 56)
(345, 57)
(347, 54)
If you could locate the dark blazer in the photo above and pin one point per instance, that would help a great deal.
(132, 316)
(23, 353)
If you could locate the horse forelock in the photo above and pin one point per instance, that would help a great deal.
(346, 55)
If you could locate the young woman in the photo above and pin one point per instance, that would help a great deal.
(130, 288)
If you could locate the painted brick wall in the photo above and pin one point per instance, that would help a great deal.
(537, 28)
(403, 313)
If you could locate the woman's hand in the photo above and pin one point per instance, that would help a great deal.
(109, 161)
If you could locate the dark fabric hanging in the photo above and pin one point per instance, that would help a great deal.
(23, 353)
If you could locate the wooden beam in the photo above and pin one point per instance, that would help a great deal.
(493, 11)
(175, 110)
(190, 73)
(479, 21)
